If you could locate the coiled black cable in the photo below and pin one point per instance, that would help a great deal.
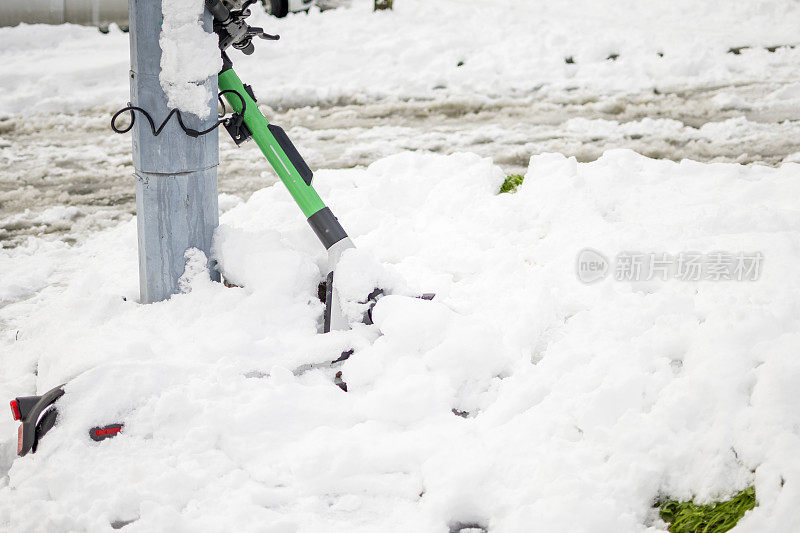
(189, 131)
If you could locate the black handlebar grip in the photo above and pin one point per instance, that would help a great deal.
(218, 10)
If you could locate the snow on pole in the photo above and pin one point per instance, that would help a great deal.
(176, 175)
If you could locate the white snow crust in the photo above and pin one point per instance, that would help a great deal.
(584, 402)
(507, 47)
(189, 57)
(520, 398)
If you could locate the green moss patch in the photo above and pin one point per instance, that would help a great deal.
(687, 517)
(512, 182)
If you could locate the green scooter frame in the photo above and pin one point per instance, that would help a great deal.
(295, 175)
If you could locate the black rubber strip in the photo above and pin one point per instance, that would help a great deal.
(326, 319)
(327, 228)
(44, 425)
(294, 156)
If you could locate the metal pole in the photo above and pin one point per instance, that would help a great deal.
(176, 175)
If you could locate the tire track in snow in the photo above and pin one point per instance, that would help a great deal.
(66, 176)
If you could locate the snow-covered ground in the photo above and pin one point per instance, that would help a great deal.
(424, 49)
(520, 399)
(584, 402)
(347, 105)
(48, 161)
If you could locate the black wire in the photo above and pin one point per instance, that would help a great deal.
(189, 131)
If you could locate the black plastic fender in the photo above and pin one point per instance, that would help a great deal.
(38, 416)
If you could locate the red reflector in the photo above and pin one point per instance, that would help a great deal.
(107, 431)
(15, 410)
(19, 439)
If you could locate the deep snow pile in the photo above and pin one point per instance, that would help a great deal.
(584, 402)
(426, 49)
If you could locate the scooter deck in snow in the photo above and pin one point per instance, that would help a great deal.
(331, 367)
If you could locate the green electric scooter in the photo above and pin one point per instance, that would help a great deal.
(247, 122)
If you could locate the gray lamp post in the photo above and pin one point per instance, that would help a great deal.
(176, 175)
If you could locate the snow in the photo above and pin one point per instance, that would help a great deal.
(189, 57)
(351, 54)
(583, 403)
(520, 398)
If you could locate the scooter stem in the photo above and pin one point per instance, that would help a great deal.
(295, 175)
